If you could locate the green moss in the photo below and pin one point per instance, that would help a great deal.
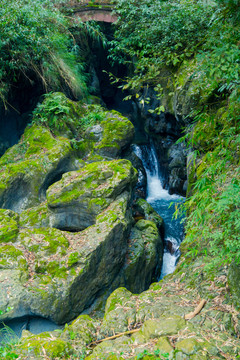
(118, 297)
(37, 216)
(44, 344)
(47, 240)
(55, 268)
(83, 147)
(8, 226)
(11, 257)
(73, 259)
(29, 170)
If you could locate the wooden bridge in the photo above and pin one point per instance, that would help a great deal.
(99, 10)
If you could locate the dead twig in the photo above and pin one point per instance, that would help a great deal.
(196, 310)
(114, 336)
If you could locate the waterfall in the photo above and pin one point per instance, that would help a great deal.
(163, 203)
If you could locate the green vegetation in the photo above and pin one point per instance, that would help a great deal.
(159, 33)
(200, 39)
(213, 222)
(36, 43)
(62, 115)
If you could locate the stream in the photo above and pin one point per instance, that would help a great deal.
(164, 204)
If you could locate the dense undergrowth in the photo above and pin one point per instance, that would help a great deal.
(203, 36)
(36, 44)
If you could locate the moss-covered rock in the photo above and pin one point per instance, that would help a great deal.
(37, 217)
(163, 346)
(82, 332)
(83, 329)
(142, 209)
(42, 345)
(8, 226)
(111, 350)
(59, 274)
(118, 133)
(116, 318)
(76, 200)
(189, 346)
(28, 168)
(162, 327)
(144, 256)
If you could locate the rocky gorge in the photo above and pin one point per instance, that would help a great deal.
(73, 229)
(82, 248)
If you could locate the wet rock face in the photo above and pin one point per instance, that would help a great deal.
(144, 256)
(173, 162)
(165, 129)
(140, 190)
(177, 160)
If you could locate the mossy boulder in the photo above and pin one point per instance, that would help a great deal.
(82, 329)
(117, 135)
(8, 226)
(163, 346)
(56, 274)
(37, 217)
(44, 345)
(28, 168)
(162, 327)
(142, 209)
(111, 350)
(120, 312)
(76, 200)
(189, 346)
(81, 332)
(144, 256)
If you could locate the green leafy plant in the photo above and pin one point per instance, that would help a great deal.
(35, 43)
(94, 115)
(53, 112)
(158, 33)
(213, 222)
(156, 354)
(8, 340)
(61, 114)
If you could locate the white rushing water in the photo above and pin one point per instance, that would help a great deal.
(163, 203)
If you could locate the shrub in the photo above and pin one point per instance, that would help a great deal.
(35, 42)
(159, 33)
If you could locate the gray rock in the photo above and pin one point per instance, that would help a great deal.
(76, 200)
(144, 256)
(57, 275)
(29, 167)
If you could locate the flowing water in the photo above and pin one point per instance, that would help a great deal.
(164, 204)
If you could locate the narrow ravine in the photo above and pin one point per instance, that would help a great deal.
(164, 204)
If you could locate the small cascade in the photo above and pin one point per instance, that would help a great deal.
(163, 203)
